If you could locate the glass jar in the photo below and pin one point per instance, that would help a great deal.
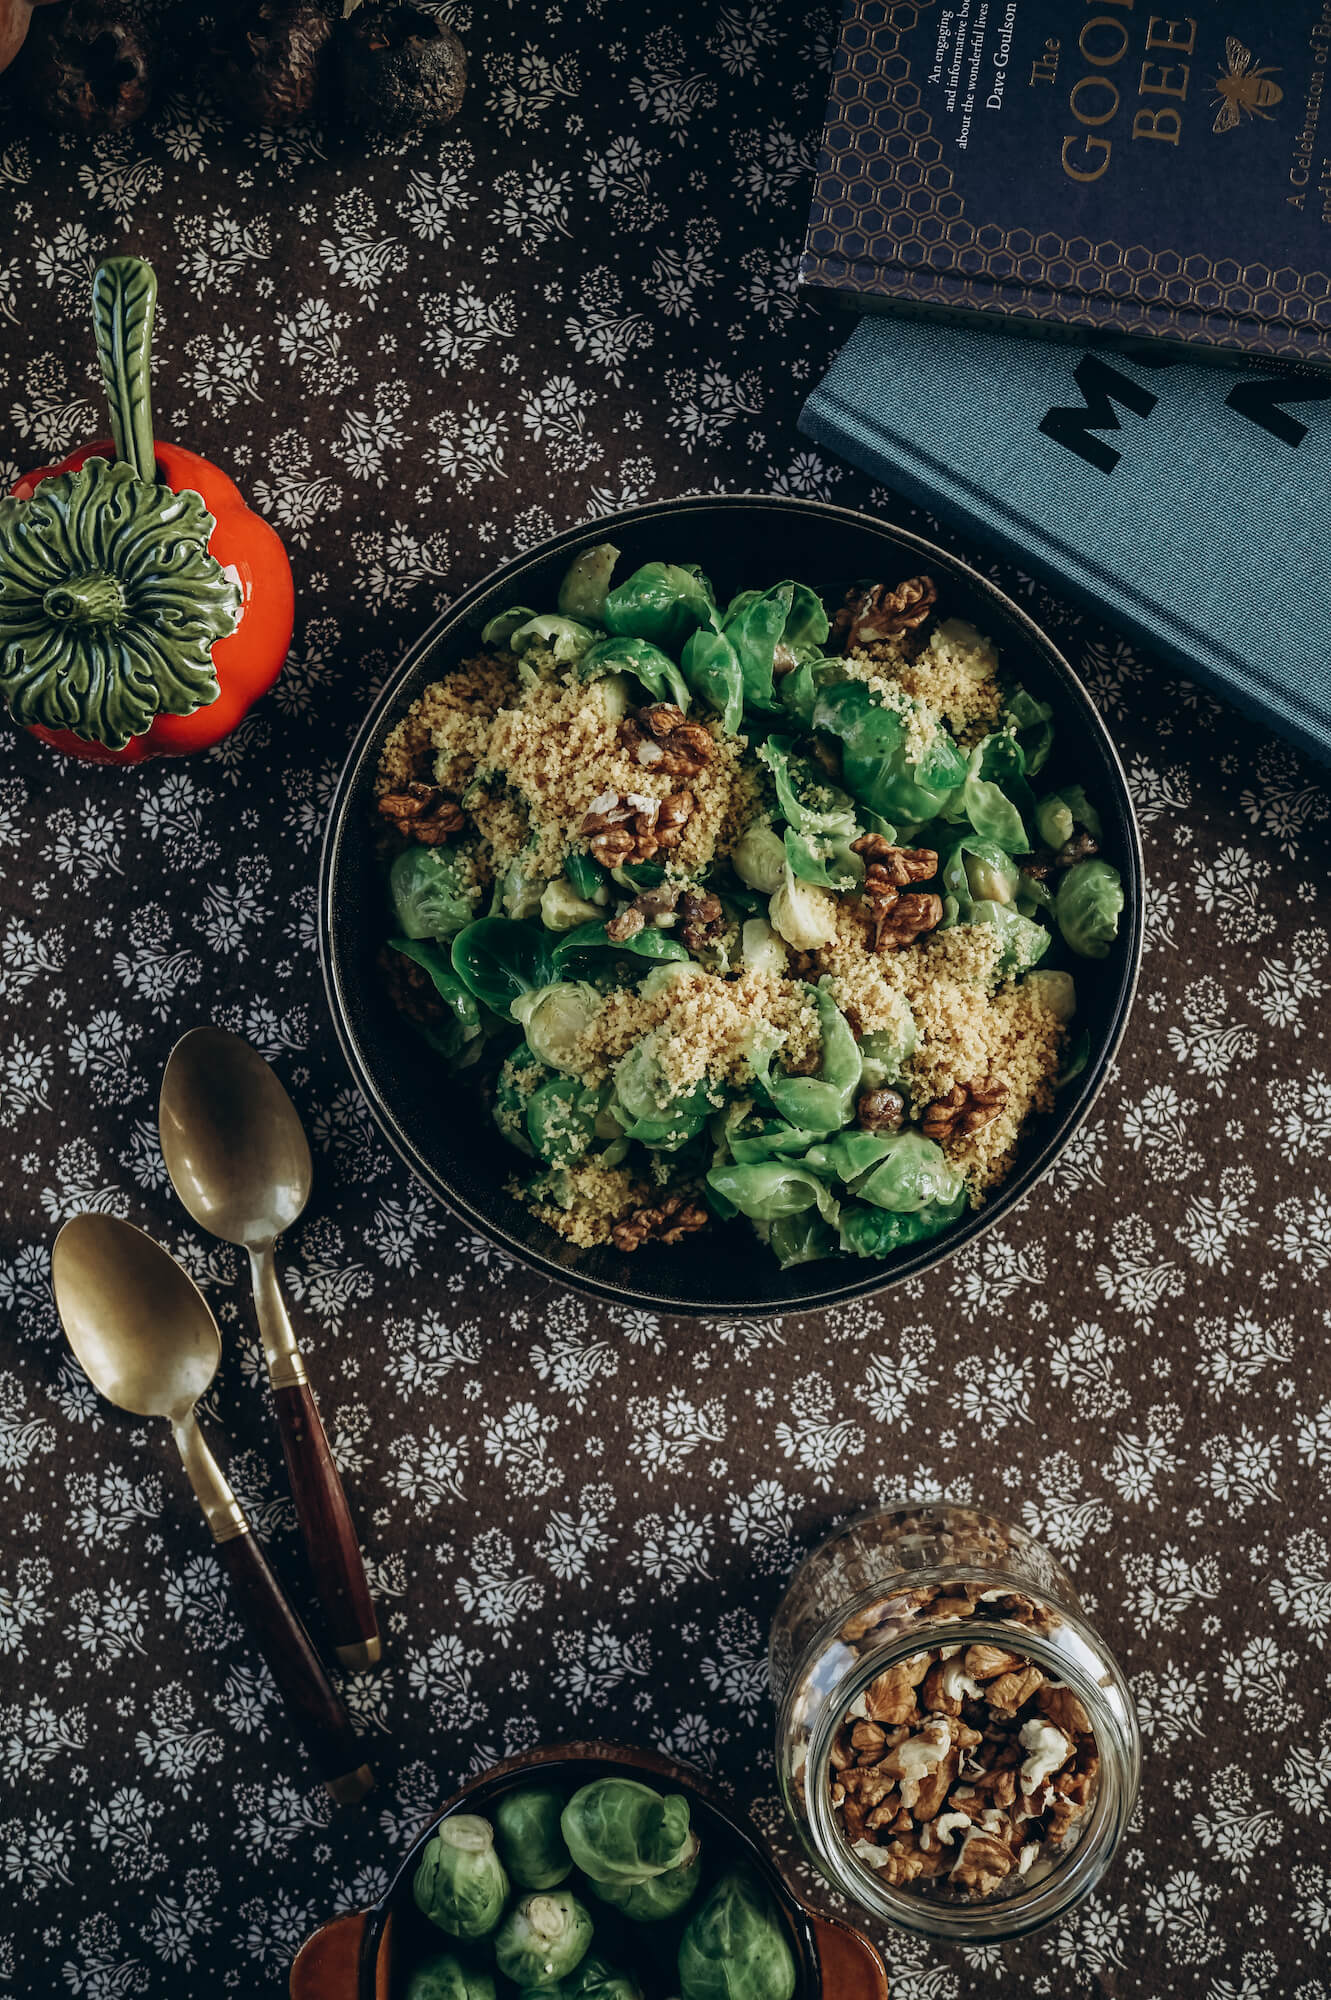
(926, 1583)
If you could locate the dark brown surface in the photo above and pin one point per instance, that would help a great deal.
(315, 1713)
(327, 1529)
(579, 1518)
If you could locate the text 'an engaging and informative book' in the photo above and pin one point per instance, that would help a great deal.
(1114, 166)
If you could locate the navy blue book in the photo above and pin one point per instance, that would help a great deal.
(1094, 168)
(1188, 503)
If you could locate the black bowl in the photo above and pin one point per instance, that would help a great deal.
(435, 1124)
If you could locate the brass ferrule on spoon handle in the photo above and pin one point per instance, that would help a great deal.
(221, 1509)
(283, 1358)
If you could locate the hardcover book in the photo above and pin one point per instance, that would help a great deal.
(1119, 166)
(1189, 504)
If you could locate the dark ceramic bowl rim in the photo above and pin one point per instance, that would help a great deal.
(862, 1277)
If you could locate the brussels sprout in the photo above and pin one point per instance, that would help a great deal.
(513, 1094)
(542, 1939)
(1035, 729)
(588, 878)
(991, 875)
(797, 691)
(445, 1977)
(876, 765)
(458, 1034)
(649, 1109)
(802, 1239)
(527, 1835)
(877, 1232)
(808, 625)
(520, 891)
(432, 893)
(561, 1124)
(563, 909)
(553, 1018)
(460, 1883)
(618, 1830)
(803, 915)
(504, 623)
(774, 1188)
(499, 961)
(660, 1896)
(809, 801)
(820, 1103)
(755, 624)
(594, 1979)
(914, 1174)
(647, 663)
(564, 638)
(663, 602)
(1056, 990)
(759, 858)
(591, 937)
(990, 811)
(750, 1140)
(849, 1154)
(582, 593)
(710, 665)
(1059, 814)
(735, 1948)
(1023, 942)
(824, 859)
(884, 1052)
(761, 948)
(1087, 907)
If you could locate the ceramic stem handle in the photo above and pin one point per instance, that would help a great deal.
(315, 1710)
(316, 1485)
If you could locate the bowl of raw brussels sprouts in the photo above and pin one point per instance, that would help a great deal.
(587, 1872)
(861, 1237)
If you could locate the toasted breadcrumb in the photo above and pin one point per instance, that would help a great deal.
(442, 736)
(593, 1199)
(709, 1027)
(1026, 1047)
(881, 668)
(956, 677)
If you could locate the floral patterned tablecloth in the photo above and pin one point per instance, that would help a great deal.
(417, 361)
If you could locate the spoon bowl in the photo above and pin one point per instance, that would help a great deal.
(138, 1323)
(232, 1139)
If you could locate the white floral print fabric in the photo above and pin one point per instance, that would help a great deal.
(416, 361)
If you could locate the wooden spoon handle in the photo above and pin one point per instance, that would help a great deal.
(315, 1710)
(326, 1523)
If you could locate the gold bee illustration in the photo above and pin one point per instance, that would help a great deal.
(1244, 90)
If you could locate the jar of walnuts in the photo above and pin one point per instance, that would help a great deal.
(956, 1744)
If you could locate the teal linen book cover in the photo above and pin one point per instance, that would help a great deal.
(1071, 166)
(1190, 504)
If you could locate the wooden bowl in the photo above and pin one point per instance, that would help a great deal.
(369, 1954)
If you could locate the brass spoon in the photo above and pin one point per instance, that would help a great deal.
(146, 1339)
(239, 1160)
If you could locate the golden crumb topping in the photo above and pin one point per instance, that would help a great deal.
(592, 1198)
(708, 1027)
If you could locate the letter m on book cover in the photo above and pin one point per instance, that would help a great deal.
(1102, 386)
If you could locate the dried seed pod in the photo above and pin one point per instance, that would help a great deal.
(402, 72)
(92, 66)
(268, 58)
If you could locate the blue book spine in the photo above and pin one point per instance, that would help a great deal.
(1190, 505)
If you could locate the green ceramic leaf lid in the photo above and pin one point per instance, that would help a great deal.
(110, 601)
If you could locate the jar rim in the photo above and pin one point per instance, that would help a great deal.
(1108, 1701)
